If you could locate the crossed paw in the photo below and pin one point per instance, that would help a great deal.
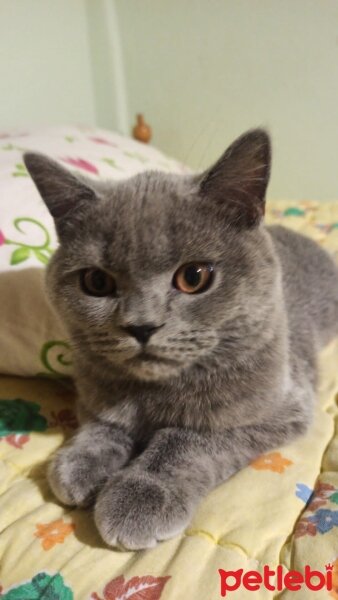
(133, 509)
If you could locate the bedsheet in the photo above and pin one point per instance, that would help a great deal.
(280, 510)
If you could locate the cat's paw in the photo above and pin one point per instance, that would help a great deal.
(76, 476)
(136, 510)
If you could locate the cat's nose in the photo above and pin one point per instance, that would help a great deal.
(142, 332)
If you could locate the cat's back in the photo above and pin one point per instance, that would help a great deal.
(310, 282)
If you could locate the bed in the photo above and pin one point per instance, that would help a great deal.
(280, 510)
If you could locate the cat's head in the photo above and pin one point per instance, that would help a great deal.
(162, 271)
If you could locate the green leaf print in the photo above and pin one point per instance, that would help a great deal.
(42, 587)
(20, 416)
(137, 156)
(44, 258)
(112, 163)
(20, 170)
(294, 211)
(334, 498)
(24, 251)
(9, 147)
(20, 254)
(47, 355)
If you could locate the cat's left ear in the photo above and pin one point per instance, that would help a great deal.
(60, 190)
(237, 182)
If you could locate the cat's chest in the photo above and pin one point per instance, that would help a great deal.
(142, 408)
(192, 409)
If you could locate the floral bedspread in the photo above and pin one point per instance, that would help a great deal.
(282, 509)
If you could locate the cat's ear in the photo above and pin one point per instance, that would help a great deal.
(238, 180)
(60, 190)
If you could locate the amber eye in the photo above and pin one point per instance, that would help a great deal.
(95, 282)
(193, 278)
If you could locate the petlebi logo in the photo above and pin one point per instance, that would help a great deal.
(277, 580)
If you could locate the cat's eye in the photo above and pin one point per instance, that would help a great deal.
(96, 282)
(193, 278)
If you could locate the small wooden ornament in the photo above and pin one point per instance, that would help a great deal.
(142, 131)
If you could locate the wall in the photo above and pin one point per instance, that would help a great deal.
(45, 68)
(204, 71)
(107, 65)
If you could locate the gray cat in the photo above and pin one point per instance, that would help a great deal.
(195, 331)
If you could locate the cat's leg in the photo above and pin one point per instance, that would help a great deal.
(154, 496)
(81, 467)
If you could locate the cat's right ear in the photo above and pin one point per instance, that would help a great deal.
(60, 190)
(237, 183)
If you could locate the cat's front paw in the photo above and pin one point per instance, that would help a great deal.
(136, 510)
(76, 476)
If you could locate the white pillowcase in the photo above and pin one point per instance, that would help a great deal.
(32, 339)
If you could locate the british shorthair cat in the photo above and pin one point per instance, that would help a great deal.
(195, 330)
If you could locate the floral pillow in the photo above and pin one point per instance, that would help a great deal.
(32, 339)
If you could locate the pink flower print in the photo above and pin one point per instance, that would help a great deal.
(320, 496)
(100, 140)
(80, 163)
(325, 227)
(136, 588)
(4, 136)
(65, 418)
(17, 440)
(305, 527)
(2, 238)
(324, 489)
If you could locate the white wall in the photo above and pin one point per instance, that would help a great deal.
(107, 65)
(45, 66)
(203, 71)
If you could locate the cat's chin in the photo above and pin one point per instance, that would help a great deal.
(147, 367)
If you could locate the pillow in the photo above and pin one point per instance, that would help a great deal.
(32, 338)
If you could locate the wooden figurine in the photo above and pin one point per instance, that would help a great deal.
(142, 131)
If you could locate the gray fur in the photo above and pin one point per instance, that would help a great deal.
(232, 370)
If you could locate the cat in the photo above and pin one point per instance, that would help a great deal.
(195, 330)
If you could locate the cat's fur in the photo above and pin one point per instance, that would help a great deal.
(234, 368)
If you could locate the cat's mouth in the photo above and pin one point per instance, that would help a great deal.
(148, 357)
(148, 366)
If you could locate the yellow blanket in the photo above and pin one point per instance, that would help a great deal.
(282, 509)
